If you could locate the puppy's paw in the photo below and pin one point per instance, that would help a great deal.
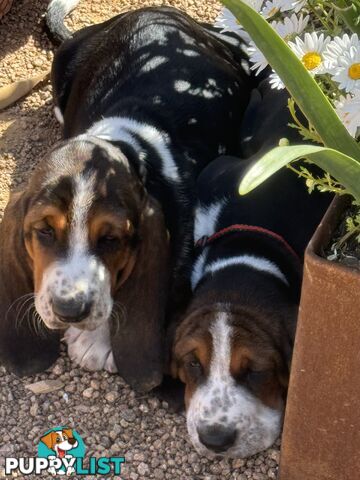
(91, 349)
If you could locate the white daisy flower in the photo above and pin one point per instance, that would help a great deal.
(227, 20)
(337, 48)
(255, 4)
(310, 51)
(272, 7)
(298, 5)
(229, 23)
(276, 82)
(347, 74)
(291, 26)
(348, 109)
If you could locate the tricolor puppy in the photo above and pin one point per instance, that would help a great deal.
(233, 348)
(146, 100)
(60, 441)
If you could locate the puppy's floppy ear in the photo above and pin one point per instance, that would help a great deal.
(137, 340)
(23, 350)
(49, 440)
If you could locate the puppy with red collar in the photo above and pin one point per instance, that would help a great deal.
(233, 347)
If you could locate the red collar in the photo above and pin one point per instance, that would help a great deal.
(204, 241)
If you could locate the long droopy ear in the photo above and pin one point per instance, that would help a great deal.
(26, 347)
(138, 339)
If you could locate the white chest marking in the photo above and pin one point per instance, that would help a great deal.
(126, 129)
(206, 218)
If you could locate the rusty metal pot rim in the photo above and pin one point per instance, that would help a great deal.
(324, 233)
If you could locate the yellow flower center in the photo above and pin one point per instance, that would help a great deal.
(354, 71)
(311, 60)
(273, 11)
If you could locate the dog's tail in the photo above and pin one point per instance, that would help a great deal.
(55, 15)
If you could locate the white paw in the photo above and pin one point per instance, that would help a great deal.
(59, 116)
(91, 349)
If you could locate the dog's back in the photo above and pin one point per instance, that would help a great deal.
(282, 204)
(158, 66)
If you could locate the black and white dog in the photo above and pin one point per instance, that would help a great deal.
(233, 348)
(146, 99)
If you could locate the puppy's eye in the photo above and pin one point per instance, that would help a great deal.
(194, 368)
(46, 233)
(58, 439)
(108, 238)
(195, 364)
(65, 436)
(253, 378)
(108, 241)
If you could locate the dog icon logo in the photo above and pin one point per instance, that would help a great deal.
(61, 445)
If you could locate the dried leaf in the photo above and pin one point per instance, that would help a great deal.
(9, 94)
(45, 386)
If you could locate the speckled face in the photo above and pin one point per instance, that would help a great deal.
(80, 234)
(234, 402)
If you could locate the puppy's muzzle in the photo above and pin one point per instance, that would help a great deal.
(217, 438)
(71, 310)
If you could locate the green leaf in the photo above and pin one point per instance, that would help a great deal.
(350, 13)
(343, 168)
(307, 94)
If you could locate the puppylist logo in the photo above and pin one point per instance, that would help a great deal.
(61, 451)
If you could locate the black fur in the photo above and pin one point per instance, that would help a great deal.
(158, 67)
(281, 205)
(98, 73)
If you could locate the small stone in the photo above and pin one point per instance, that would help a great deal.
(274, 455)
(142, 469)
(139, 457)
(88, 392)
(34, 409)
(238, 463)
(111, 397)
(128, 415)
(37, 62)
(144, 408)
(159, 474)
(58, 370)
(95, 384)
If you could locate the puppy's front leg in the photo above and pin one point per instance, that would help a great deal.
(91, 349)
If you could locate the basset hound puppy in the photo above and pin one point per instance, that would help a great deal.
(146, 100)
(232, 349)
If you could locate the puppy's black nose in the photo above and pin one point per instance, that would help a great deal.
(72, 441)
(217, 438)
(71, 311)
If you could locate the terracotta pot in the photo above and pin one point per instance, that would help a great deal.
(5, 6)
(321, 438)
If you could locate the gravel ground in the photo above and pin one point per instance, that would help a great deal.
(110, 417)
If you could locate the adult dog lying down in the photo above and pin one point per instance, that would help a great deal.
(233, 348)
(146, 100)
